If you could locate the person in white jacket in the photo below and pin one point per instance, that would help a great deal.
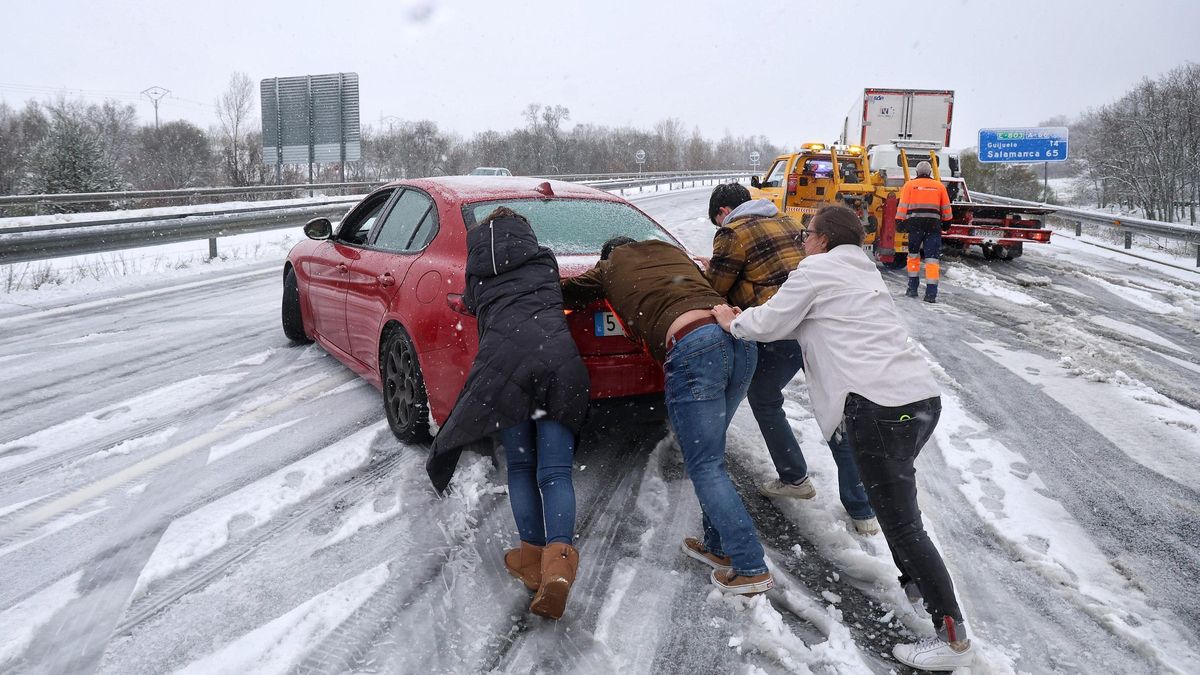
(867, 381)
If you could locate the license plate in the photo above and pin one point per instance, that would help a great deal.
(993, 234)
(607, 324)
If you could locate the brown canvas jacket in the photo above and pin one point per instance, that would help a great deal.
(648, 284)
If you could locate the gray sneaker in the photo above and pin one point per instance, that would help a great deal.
(866, 526)
(913, 592)
(777, 488)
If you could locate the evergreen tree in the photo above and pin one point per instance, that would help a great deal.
(71, 158)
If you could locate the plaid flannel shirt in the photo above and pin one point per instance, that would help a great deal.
(752, 257)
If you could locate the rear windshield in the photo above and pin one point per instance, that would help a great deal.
(574, 226)
(821, 168)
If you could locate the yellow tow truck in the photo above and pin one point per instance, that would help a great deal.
(801, 182)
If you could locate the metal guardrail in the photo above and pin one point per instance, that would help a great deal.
(1126, 224)
(186, 194)
(38, 241)
(86, 237)
(194, 193)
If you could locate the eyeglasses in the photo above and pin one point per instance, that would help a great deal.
(806, 233)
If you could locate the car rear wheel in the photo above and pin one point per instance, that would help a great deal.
(404, 398)
(293, 322)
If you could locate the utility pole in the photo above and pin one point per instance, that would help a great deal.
(155, 94)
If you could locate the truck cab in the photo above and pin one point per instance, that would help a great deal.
(801, 182)
(886, 160)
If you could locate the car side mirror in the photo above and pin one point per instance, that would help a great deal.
(319, 229)
(754, 182)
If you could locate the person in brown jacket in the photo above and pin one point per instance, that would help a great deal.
(663, 300)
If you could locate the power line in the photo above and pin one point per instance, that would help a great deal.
(106, 94)
(42, 89)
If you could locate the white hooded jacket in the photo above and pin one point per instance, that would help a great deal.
(837, 306)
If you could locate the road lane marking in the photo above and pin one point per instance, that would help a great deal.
(145, 466)
(71, 309)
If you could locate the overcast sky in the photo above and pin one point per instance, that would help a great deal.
(788, 70)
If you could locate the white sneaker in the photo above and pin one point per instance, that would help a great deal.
(934, 653)
(777, 488)
(866, 526)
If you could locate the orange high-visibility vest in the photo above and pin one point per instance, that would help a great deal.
(924, 198)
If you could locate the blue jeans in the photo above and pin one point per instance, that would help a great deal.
(707, 374)
(778, 363)
(924, 241)
(539, 455)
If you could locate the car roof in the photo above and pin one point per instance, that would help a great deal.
(485, 188)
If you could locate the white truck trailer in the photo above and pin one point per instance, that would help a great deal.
(888, 115)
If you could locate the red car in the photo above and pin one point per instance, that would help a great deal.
(382, 294)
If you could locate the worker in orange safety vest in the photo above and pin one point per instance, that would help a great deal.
(924, 205)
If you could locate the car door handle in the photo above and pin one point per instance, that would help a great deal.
(386, 279)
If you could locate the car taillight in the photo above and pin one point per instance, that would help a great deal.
(455, 301)
(793, 183)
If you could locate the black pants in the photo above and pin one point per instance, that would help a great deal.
(886, 443)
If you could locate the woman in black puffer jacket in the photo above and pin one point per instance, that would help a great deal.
(529, 384)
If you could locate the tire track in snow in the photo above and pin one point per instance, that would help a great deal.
(199, 574)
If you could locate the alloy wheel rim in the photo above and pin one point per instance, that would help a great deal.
(401, 380)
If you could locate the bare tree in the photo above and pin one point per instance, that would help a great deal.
(1143, 150)
(176, 155)
(20, 132)
(235, 109)
(668, 145)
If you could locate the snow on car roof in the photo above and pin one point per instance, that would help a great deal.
(480, 188)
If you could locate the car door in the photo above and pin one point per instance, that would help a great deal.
(329, 269)
(380, 272)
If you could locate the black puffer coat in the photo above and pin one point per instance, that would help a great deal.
(527, 360)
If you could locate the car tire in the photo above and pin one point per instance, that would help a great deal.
(404, 398)
(293, 321)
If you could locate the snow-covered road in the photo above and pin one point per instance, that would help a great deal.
(180, 489)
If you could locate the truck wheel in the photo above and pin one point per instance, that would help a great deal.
(404, 399)
(1015, 251)
(989, 251)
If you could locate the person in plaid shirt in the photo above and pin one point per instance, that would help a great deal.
(754, 250)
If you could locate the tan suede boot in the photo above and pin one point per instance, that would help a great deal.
(559, 563)
(525, 563)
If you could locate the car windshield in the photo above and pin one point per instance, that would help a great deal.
(574, 226)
